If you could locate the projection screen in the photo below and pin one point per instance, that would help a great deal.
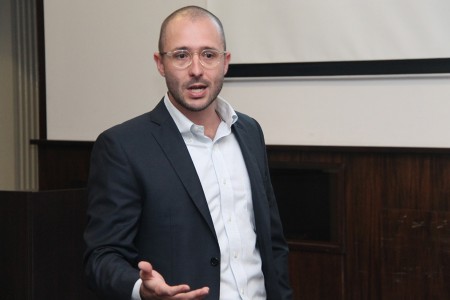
(100, 70)
(325, 30)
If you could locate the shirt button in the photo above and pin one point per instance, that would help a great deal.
(214, 261)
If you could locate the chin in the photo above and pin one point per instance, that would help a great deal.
(195, 105)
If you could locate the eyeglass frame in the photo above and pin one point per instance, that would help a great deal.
(191, 55)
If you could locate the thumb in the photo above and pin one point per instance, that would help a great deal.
(146, 270)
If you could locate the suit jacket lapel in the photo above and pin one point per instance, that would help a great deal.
(171, 142)
(246, 142)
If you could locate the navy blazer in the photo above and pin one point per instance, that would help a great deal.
(146, 202)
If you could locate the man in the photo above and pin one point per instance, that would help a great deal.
(180, 200)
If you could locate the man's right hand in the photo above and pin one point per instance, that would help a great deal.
(155, 287)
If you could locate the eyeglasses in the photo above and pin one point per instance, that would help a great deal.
(181, 59)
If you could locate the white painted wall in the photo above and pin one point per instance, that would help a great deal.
(99, 62)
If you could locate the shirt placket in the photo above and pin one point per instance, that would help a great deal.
(229, 219)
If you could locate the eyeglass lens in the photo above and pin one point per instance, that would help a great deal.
(182, 58)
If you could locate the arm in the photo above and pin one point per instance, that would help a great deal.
(280, 248)
(113, 216)
(115, 207)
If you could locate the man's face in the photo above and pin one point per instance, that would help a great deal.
(192, 89)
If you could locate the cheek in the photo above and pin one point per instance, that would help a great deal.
(173, 82)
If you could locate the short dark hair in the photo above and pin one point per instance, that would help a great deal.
(193, 12)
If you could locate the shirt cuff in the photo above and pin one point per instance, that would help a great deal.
(135, 295)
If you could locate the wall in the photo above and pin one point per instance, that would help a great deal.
(358, 111)
(106, 85)
(107, 62)
(7, 121)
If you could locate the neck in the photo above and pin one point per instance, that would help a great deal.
(211, 127)
(208, 118)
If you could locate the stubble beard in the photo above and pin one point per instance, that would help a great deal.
(180, 100)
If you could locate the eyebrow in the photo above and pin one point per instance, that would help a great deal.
(191, 50)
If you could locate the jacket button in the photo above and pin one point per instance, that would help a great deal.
(214, 261)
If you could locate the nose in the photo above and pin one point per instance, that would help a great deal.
(196, 68)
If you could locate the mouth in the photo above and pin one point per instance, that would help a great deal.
(197, 90)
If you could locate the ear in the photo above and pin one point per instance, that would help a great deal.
(157, 57)
(227, 62)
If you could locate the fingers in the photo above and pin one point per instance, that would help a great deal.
(173, 290)
(146, 270)
(198, 294)
(186, 294)
(153, 284)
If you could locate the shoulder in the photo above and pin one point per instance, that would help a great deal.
(249, 124)
(130, 127)
(142, 124)
(247, 120)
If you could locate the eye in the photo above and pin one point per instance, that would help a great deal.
(181, 55)
(209, 54)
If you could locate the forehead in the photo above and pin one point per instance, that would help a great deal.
(192, 33)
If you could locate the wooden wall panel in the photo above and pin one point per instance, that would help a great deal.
(15, 261)
(63, 164)
(316, 275)
(363, 194)
(42, 245)
(415, 231)
(391, 211)
(396, 237)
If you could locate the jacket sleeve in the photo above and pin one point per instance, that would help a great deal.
(280, 249)
(114, 207)
(273, 248)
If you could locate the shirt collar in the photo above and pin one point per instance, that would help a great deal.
(224, 110)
